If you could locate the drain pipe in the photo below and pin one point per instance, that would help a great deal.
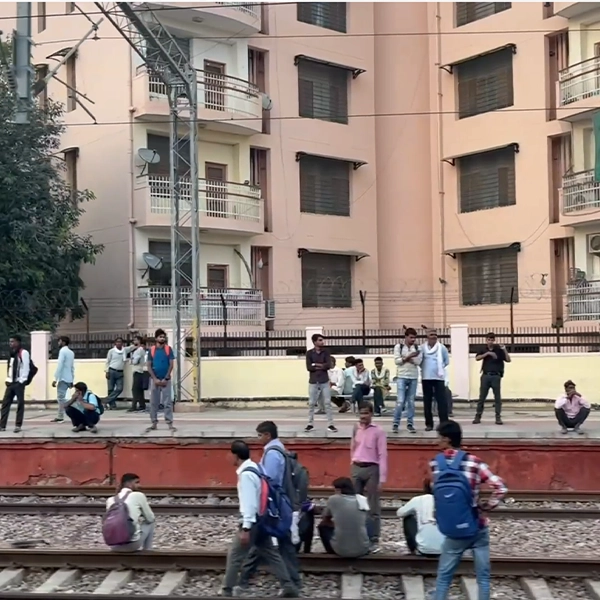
(440, 164)
(132, 220)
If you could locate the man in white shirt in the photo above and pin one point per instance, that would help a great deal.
(16, 379)
(249, 536)
(420, 528)
(64, 376)
(336, 380)
(361, 381)
(113, 368)
(139, 512)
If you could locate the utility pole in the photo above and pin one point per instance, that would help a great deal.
(164, 59)
(22, 63)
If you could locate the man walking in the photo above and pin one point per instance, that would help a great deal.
(160, 366)
(64, 376)
(435, 359)
(407, 358)
(114, 367)
(318, 363)
(492, 359)
(454, 470)
(17, 375)
(368, 455)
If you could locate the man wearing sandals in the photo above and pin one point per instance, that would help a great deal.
(160, 366)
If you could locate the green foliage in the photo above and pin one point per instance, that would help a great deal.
(41, 252)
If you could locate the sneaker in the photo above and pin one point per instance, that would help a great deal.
(172, 427)
(374, 549)
(288, 593)
(332, 428)
(2, 429)
(17, 430)
(477, 420)
(78, 429)
(411, 428)
(428, 428)
(57, 420)
(395, 429)
(152, 427)
(225, 592)
(564, 430)
(578, 430)
(383, 411)
(499, 421)
(93, 429)
(309, 427)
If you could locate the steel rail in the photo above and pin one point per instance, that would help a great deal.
(89, 508)
(381, 564)
(224, 492)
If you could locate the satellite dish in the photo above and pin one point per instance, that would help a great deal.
(148, 157)
(152, 262)
(267, 103)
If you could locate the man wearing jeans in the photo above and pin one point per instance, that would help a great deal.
(477, 473)
(160, 366)
(64, 375)
(407, 358)
(318, 363)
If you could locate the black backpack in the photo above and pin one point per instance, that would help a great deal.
(32, 369)
(295, 479)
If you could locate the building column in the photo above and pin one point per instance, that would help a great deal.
(40, 348)
(459, 343)
(310, 331)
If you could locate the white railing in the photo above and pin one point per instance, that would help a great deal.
(252, 10)
(222, 93)
(221, 199)
(579, 81)
(580, 192)
(241, 306)
(583, 301)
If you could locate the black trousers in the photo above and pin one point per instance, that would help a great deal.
(13, 390)
(306, 531)
(326, 534)
(137, 391)
(434, 389)
(490, 381)
(88, 418)
(579, 418)
(411, 528)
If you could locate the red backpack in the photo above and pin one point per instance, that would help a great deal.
(167, 351)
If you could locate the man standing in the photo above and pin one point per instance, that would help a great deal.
(493, 358)
(407, 358)
(64, 375)
(114, 366)
(368, 457)
(453, 469)
(248, 536)
(435, 359)
(160, 366)
(571, 409)
(140, 375)
(318, 363)
(16, 378)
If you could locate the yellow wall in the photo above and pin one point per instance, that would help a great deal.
(528, 376)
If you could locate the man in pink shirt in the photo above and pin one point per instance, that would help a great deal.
(368, 457)
(571, 409)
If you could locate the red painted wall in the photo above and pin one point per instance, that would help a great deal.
(189, 463)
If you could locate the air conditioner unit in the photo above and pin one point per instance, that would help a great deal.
(594, 243)
(269, 309)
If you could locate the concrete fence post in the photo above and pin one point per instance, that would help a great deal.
(310, 331)
(459, 343)
(40, 354)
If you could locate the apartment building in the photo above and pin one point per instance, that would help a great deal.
(386, 163)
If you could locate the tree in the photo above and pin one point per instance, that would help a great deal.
(41, 251)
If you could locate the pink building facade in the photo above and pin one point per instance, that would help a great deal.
(416, 164)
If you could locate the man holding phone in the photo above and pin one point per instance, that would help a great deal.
(84, 409)
(407, 358)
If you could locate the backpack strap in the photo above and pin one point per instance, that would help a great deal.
(118, 498)
(455, 464)
(441, 461)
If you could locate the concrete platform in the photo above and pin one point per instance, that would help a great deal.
(528, 451)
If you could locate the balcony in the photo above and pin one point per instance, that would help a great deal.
(578, 85)
(225, 103)
(234, 307)
(583, 301)
(580, 199)
(572, 10)
(240, 18)
(225, 206)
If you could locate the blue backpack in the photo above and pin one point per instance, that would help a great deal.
(274, 517)
(456, 516)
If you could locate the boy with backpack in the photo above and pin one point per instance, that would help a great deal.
(265, 514)
(84, 409)
(458, 477)
(161, 360)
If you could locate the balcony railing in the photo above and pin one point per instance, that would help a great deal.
(221, 199)
(583, 301)
(252, 10)
(579, 81)
(236, 307)
(223, 93)
(580, 192)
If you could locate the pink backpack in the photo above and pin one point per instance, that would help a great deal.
(117, 526)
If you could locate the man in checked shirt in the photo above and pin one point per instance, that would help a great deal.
(477, 473)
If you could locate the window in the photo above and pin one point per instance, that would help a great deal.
(162, 276)
(326, 280)
(467, 12)
(324, 186)
(40, 90)
(330, 15)
(41, 16)
(322, 92)
(71, 156)
(162, 146)
(489, 277)
(217, 277)
(71, 84)
(485, 83)
(487, 180)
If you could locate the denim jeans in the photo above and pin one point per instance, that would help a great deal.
(407, 390)
(62, 387)
(452, 552)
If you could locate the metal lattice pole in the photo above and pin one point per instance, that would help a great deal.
(163, 58)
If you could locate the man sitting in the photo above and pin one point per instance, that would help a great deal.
(344, 528)
(361, 381)
(84, 409)
(420, 528)
(571, 409)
